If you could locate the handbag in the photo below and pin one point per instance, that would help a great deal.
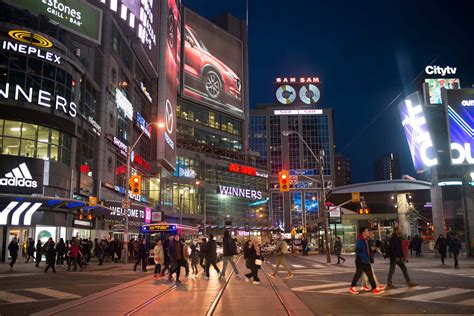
(258, 262)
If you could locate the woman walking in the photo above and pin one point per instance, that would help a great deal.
(159, 258)
(194, 259)
(251, 254)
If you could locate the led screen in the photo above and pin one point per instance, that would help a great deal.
(435, 85)
(212, 65)
(460, 110)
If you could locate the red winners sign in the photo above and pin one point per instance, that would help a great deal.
(242, 169)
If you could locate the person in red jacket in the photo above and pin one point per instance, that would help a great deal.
(74, 252)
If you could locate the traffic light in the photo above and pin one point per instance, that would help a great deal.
(364, 211)
(135, 184)
(284, 178)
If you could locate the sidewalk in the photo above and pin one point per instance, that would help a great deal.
(194, 296)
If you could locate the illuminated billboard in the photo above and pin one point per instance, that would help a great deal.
(417, 133)
(460, 115)
(298, 91)
(213, 65)
(435, 85)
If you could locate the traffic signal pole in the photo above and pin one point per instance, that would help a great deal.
(127, 198)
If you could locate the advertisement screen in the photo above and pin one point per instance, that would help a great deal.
(460, 116)
(213, 62)
(21, 175)
(298, 91)
(417, 133)
(435, 85)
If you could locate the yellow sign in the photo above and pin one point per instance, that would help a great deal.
(29, 38)
(159, 227)
(355, 197)
(92, 201)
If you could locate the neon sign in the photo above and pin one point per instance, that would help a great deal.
(295, 79)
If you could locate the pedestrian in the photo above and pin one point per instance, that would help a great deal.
(281, 250)
(167, 263)
(118, 250)
(194, 259)
(365, 278)
(455, 248)
(251, 255)
(86, 252)
(417, 242)
(61, 251)
(338, 250)
(159, 258)
(211, 255)
(230, 250)
(395, 253)
(142, 255)
(304, 245)
(13, 248)
(185, 261)
(74, 253)
(30, 249)
(39, 252)
(101, 251)
(176, 255)
(50, 251)
(441, 245)
(410, 246)
(202, 253)
(363, 265)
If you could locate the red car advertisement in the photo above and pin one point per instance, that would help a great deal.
(212, 65)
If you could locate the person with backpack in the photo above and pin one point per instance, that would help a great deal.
(281, 250)
(230, 250)
(13, 248)
(50, 251)
(395, 253)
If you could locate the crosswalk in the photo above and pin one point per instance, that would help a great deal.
(30, 295)
(456, 296)
(468, 273)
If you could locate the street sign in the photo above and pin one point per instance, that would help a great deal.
(355, 197)
(92, 201)
(126, 203)
(293, 179)
(335, 215)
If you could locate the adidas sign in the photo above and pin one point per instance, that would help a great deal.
(19, 177)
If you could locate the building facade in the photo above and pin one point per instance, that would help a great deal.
(387, 167)
(343, 170)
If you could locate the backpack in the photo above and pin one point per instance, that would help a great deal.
(284, 247)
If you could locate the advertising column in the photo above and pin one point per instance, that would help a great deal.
(168, 81)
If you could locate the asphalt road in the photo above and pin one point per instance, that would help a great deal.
(324, 288)
(28, 289)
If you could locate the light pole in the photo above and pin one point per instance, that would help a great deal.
(126, 202)
(198, 182)
(320, 163)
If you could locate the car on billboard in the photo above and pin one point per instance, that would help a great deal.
(213, 77)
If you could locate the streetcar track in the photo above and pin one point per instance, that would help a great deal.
(277, 293)
(151, 300)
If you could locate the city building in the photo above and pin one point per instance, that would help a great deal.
(387, 167)
(343, 170)
(273, 148)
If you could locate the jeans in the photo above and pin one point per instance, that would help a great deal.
(456, 263)
(143, 260)
(443, 256)
(253, 270)
(12, 262)
(234, 266)
(30, 256)
(50, 264)
(365, 278)
(38, 258)
(60, 259)
(85, 259)
(363, 268)
(72, 260)
(157, 268)
(281, 261)
(393, 263)
(212, 262)
(339, 258)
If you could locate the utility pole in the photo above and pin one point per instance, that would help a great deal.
(323, 206)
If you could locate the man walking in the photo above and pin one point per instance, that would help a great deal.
(338, 250)
(13, 248)
(176, 255)
(167, 263)
(230, 250)
(441, 245)
(281, 250)
(455, 248)
(363, 255)
(30, 250)
(211, 255)
(50, 251)
(396, 259)
(39, 252)
(142, 255)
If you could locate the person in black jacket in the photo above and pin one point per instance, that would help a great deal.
(50, 251)
(202, 253)
(167, 263)
(455, 248)
(251, 254)
(441, 245)
(142, 255)
(13, 248)
(396, 259)
(39, 252)
(30, 249)
(211, 255)
(176, 254)
(61, 251)
(230, 250)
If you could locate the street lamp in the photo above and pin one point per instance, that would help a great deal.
(126, 201)
(320, 163)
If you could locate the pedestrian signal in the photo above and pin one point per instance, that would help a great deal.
(284, 179)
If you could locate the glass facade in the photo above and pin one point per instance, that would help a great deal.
(258, 138)
(34, 141)
(315, 131)
(275, 145)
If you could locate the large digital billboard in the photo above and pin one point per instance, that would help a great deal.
(435, 85)
(298, 91)
(213, 65)
(460, 115)
(417, 133)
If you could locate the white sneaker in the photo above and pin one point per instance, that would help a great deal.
(256, 282)
(247, 279)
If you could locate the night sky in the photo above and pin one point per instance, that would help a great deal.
(366, 54)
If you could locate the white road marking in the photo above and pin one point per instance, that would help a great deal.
(319, 266)
(15, 298)
(297, 266)
(403, 290)
(336, 291)
(436, 295)
(467, 302)
(319, 286)
(53, 293)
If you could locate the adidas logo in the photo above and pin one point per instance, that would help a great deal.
(19, 177)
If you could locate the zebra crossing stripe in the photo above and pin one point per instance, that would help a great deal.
(15, 298)
(319, 286)
(336, 291)
(436, 295)
(467, 302)
(404, 290)
(53, 293)
(297, 266)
